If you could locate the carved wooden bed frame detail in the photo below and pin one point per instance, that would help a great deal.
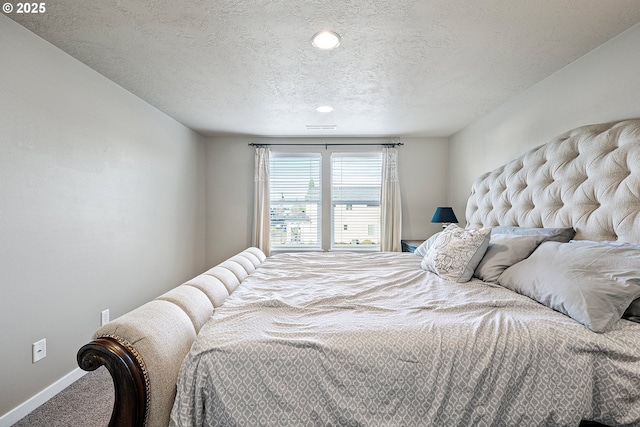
(130, 378)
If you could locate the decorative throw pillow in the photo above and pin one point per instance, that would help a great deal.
(593, 284)
(456, 252)
(421, 250)
(504, 251)
(562, 235)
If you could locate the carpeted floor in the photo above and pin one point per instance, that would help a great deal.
(85, 403)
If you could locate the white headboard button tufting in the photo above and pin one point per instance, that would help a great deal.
(587, 178)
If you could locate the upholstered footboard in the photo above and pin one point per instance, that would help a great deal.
(143, 349)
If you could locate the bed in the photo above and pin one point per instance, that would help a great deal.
(352, 339)
(527, 316)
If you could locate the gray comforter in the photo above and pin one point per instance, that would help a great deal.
(373, 340)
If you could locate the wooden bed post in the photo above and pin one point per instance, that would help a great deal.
(131, 396)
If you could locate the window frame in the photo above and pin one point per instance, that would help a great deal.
(318, 246)
(326, 224)
(349, 205)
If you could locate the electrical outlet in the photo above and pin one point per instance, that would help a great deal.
(104, 319)
(39, 350)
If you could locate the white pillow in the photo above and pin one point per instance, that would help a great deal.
(505, 250)
(456, 252)
(592, 283)
(421, 250)
(633, 312)
(605, 243)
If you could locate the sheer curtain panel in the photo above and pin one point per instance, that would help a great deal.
(391, 211)
(260, 238)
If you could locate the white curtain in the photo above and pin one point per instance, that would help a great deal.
(260, 238)
(391, 211)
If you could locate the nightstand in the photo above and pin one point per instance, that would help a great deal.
(410, 245)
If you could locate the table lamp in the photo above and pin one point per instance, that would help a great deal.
(445, 215)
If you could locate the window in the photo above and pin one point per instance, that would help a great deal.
(298, 218)
(295, 208)
(356, 180)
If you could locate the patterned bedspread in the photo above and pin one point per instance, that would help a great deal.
(344, 339)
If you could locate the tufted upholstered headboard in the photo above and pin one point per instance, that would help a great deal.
(587, 178)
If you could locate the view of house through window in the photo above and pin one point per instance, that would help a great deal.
(296, 204)
(356, 179)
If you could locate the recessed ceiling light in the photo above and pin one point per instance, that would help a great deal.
(324, 109)
(326, 40)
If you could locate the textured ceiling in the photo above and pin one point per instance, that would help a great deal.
(413, 67)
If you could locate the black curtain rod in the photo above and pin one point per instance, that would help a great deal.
(385, 144)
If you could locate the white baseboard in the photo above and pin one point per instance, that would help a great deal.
(21, 411)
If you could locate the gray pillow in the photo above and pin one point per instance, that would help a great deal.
(593, 284)
(456, 252)
(421, 250)
(562, 235)
(504, 251)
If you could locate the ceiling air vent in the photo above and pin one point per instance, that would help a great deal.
(321, 127)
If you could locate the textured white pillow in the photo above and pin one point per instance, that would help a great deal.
(505, 250)
(456, 252)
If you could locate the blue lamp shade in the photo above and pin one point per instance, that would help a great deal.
(444, 214)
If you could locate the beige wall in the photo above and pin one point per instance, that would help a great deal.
(423, 175)
(601, 86)
(101, 206)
